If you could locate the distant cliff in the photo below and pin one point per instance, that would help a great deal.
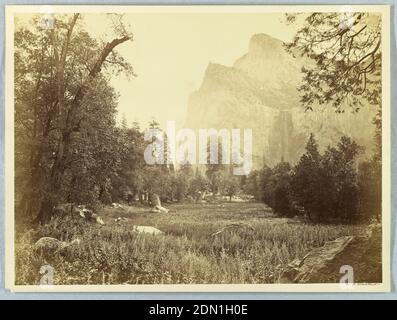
(260, 92)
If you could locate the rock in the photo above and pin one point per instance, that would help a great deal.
(160, 209)
(84, 213)
(120, 219)
(154, 200)
(97, 219)
(89, 215)
(115, 205)
(50, 246)
(156, 204)
(200, 196)
(147, 229)
(315, 260)
(322, 265)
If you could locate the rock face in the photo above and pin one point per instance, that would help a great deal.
(260, 92)
(322, 265)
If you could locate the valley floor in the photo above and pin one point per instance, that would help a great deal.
(204, 243)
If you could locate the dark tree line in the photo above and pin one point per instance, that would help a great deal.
(322, 187)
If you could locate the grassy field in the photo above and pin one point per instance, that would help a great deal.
(186, 253)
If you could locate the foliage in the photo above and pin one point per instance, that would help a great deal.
(344, 56)
(65, 144)
(323, 187)
(277, 187)
(370, 190)
(344, 50)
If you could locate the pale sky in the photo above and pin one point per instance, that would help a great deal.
(171, 52)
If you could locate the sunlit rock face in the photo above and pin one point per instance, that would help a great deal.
(260, 92)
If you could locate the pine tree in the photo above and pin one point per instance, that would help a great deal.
(307, 186)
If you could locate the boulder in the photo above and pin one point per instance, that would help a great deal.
(160, 209)
(154, 200)
(363, 252)
(200, 195)
(97, 219)
(300, 270)
(115, 205)
(49, 246)
(156, 204)
(147, 229)
(89, 215)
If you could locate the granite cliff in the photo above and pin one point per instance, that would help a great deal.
(260, 92)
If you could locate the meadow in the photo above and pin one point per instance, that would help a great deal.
(255, 251)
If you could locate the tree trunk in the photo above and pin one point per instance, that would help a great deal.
(45, 212)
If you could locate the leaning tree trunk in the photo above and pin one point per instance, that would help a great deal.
(62, 153)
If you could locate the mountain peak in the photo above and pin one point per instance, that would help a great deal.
(262, 42)
(260, 92)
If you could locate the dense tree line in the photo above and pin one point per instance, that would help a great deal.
(322, 187)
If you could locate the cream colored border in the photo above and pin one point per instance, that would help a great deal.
(9, 153)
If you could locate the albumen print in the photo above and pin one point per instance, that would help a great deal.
(198, 148)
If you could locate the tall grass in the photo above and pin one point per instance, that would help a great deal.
(186, 253)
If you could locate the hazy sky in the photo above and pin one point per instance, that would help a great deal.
(171, 52)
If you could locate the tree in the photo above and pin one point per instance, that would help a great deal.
(57, 73)
(199, 184)
(72, 107)
(230, 185)
(339, 169)
(326, 185)
(276, 184)
(307, 184)
(183, 179)
(129, 181)
(252, 184)
(344, 70)
(266, 186)
(345, 58)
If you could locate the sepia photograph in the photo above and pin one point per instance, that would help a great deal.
(198, 148)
